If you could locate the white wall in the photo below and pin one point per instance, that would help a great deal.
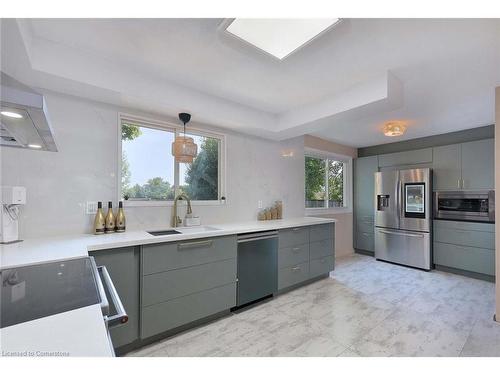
(84, 169)
(497, 201)
(344, 225)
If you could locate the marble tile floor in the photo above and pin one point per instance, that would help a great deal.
(365, 308)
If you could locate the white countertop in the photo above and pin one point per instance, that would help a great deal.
(32, 251)
(82, 332)
(74, 333)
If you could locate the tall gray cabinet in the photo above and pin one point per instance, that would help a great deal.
(364, 169)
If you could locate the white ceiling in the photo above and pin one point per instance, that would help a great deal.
(339, 87)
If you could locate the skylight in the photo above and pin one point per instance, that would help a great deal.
(279, 37)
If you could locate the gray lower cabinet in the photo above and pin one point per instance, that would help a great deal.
(321, 266)
(289, 276)
(165, 316)
(305, 254)
(364, 170)
(186, 281)
(123, 267)
(465, 246)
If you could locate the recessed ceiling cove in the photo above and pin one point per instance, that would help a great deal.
(438, 73)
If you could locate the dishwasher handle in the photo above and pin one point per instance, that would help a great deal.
(250, 237)
(121, 316)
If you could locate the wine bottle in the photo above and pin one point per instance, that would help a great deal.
(99, 221)
(110, 219)
(120, 218)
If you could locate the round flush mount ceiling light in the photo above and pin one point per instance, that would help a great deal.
(394, 128)
(183, 148)
(11, 114)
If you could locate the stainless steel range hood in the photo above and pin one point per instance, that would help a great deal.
(23, 121)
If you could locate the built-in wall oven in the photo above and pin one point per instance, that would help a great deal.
(465, 205)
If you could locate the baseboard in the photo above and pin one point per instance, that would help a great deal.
(364, 252)
(474, 275)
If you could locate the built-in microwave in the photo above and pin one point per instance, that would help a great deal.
(465, 205)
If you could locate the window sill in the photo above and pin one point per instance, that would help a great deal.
(130, 203)
(327, 211)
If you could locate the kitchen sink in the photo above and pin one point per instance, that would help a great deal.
(202, 228)
(164, 232)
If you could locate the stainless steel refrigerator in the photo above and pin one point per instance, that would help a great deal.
(403, 217)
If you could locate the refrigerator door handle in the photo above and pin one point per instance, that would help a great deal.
(399, 202)
(401, 233)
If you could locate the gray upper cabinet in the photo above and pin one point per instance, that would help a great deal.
(447, 168)
(478, 165)
(412, 157)
(464, 166)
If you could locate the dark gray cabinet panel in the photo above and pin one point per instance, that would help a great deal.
(290, 256)
(320, 249)
(321, 232)
(447, 167)
(168, 256)
(163, 286)
(465, 246)
(478, 165)
(364, 202)
(174, 313)
(321, 266)
(464, 236)
(290, 276)
(293, 236)
(466, 258)
(123, 267)
(421, 156)
(364, 185)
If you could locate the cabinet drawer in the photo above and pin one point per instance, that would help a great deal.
(293, 237)
(293, 275)
(177, 312)
(321, 266)
(365, 227)
(290, 256)
(365, 241)
(320, 249)
(169, 256)
(164, 286)
(465, 237)
(465, 258)
(321, 232)
(464, 225)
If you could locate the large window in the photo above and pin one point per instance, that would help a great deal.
(326, 182)
(149, 172)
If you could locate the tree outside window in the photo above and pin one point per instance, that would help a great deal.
(148, 169)
(324, 182)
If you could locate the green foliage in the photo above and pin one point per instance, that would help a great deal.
(315, 178)
(203, 174)
(130, 132)
(336, 182)
(315, 173)
(155, 189)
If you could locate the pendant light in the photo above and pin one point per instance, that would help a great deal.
(183, 148)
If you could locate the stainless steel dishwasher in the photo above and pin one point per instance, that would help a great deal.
(257, 266)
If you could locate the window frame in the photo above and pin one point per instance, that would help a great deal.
(347, 181)
(176, 129)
